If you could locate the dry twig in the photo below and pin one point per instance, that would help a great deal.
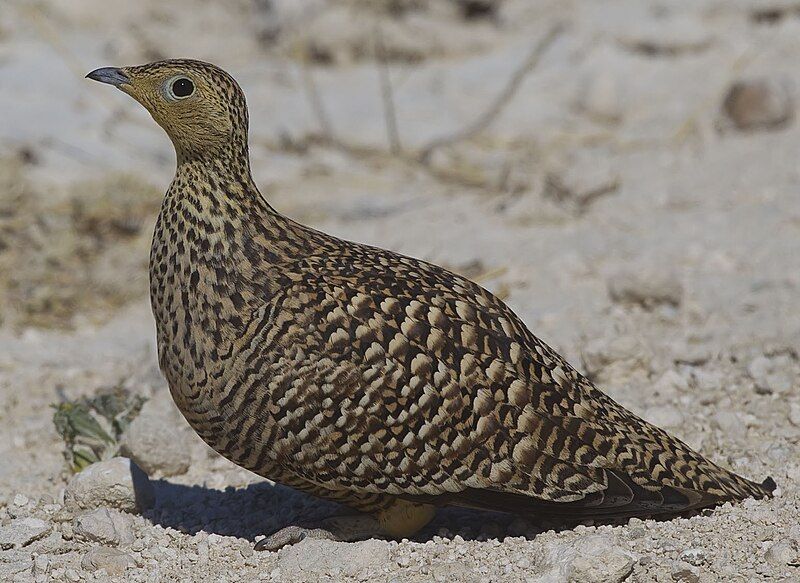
(315, 101)
(389, 113)
(496, 107)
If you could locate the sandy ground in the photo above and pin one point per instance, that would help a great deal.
(639, 216)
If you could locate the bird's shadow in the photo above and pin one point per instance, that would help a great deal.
(263, 508)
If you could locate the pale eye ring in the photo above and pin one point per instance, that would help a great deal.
(180, 88)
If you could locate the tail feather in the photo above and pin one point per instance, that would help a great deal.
(623, 498)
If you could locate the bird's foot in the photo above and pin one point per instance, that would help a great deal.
(291, 535)
(346, 528)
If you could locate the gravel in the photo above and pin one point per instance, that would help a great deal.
(635, 203)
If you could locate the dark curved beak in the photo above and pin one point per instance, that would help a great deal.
(110, 75)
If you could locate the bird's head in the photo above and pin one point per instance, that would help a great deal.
(199, 105)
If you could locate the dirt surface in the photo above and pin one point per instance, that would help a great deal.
(631, 190)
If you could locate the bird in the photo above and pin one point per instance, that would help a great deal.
(362, 376)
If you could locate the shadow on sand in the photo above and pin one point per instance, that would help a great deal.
(263, 508)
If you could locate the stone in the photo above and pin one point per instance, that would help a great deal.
(601, 561)
(664, 416)
(758, 104)
(780, 382)
(685, 574)
(781, 553)
(155, 444)
(612, 360)
(730, 423)
(770, 376)
(794, 414)
(645, 288)
(595, 558)
(41, 566)
(116, 483)
(670, 384)
(310, 559)
(104, 526)
(112, 561)
(694, 556)
(22, 531)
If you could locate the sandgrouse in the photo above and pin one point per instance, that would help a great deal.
(365, 377)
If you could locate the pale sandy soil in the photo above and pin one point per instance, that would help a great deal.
(613, 160)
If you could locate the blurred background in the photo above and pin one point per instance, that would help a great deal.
(623, 173)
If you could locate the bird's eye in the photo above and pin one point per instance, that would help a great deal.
(181, 88)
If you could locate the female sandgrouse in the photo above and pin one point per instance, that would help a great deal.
(365, 377)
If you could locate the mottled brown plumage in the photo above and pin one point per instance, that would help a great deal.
(366, 377)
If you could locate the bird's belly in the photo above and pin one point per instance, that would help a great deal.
(236, 428)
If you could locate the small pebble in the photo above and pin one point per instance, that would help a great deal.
(664, 416)
(758, 104)
(685, 575)
(794, 414)
(104, 526)
(22, 531)
(647, 289)
(113, 561)
(781, 553)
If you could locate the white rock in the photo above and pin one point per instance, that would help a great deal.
(664, 416)
(794, 534)
(667, 37)
(730, 423)
(41, 566)
(780, 382)
(593, 559)
(105, 526)
(759, 370)
(116, 483)
(615, 359)
(22, 531)
(113, 561)
(670, 384)
(794, 414)
(646, 288)
(153, 442)
(781, 553)
(311, 558)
